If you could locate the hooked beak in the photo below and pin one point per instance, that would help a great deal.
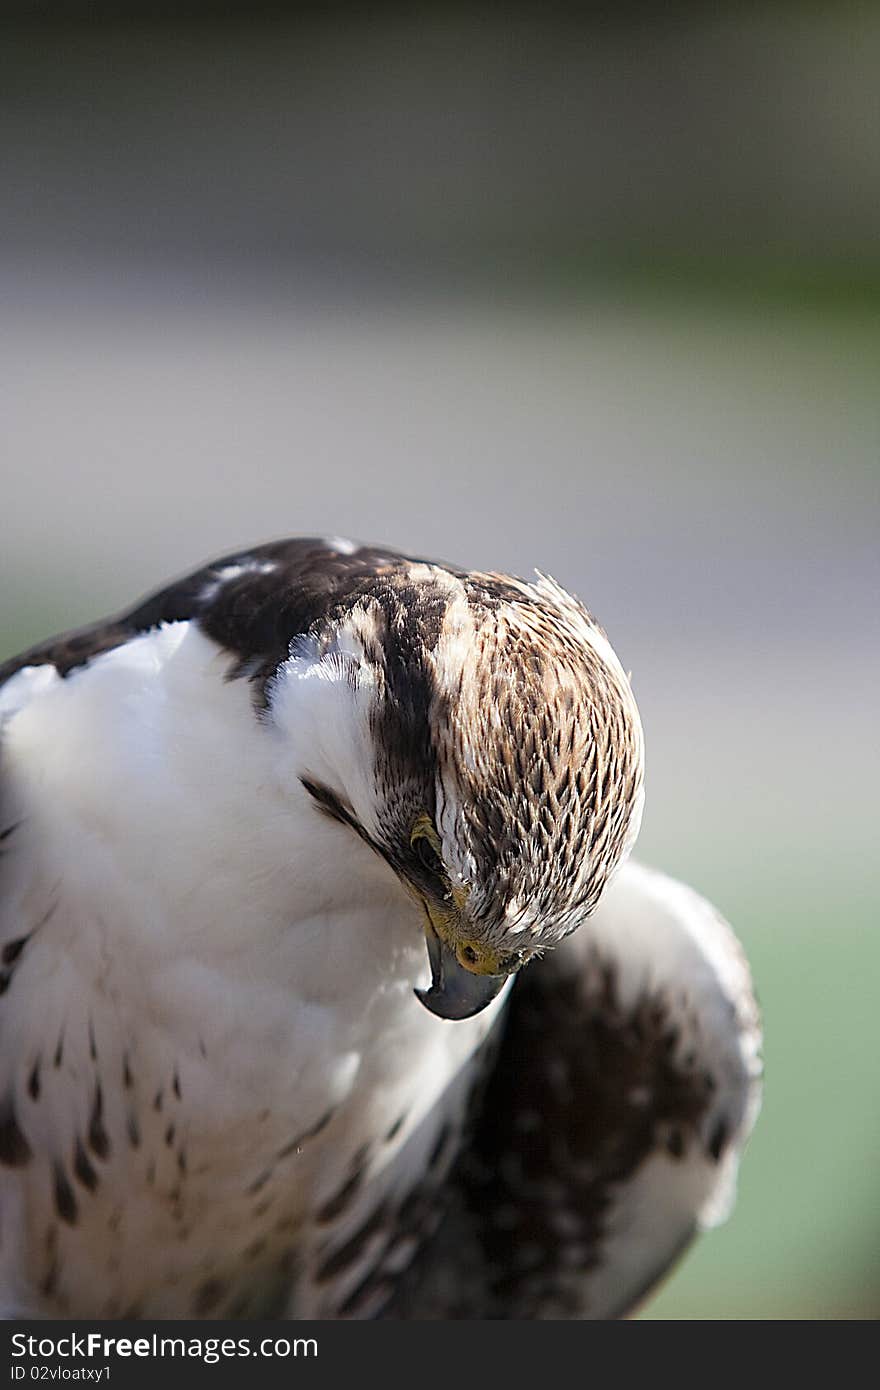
(455, 992)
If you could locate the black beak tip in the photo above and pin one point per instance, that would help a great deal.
(461, 994)
(455, 993)
(445, 1007)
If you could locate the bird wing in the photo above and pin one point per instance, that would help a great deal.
(251, 602)
(610, 1129)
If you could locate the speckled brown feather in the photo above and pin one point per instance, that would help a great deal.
(542, 743)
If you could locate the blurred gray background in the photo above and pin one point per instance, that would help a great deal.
(599, 295)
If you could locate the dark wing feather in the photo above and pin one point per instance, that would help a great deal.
(254, 616)
(602, 1134)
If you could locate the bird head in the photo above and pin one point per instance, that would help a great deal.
(479, 733)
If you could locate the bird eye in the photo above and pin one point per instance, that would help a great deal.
(426, 843)
(428, 856)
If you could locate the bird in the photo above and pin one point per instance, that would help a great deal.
(329, 988)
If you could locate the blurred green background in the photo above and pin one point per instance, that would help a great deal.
(598, 293)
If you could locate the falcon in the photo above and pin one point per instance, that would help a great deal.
(327, 989)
